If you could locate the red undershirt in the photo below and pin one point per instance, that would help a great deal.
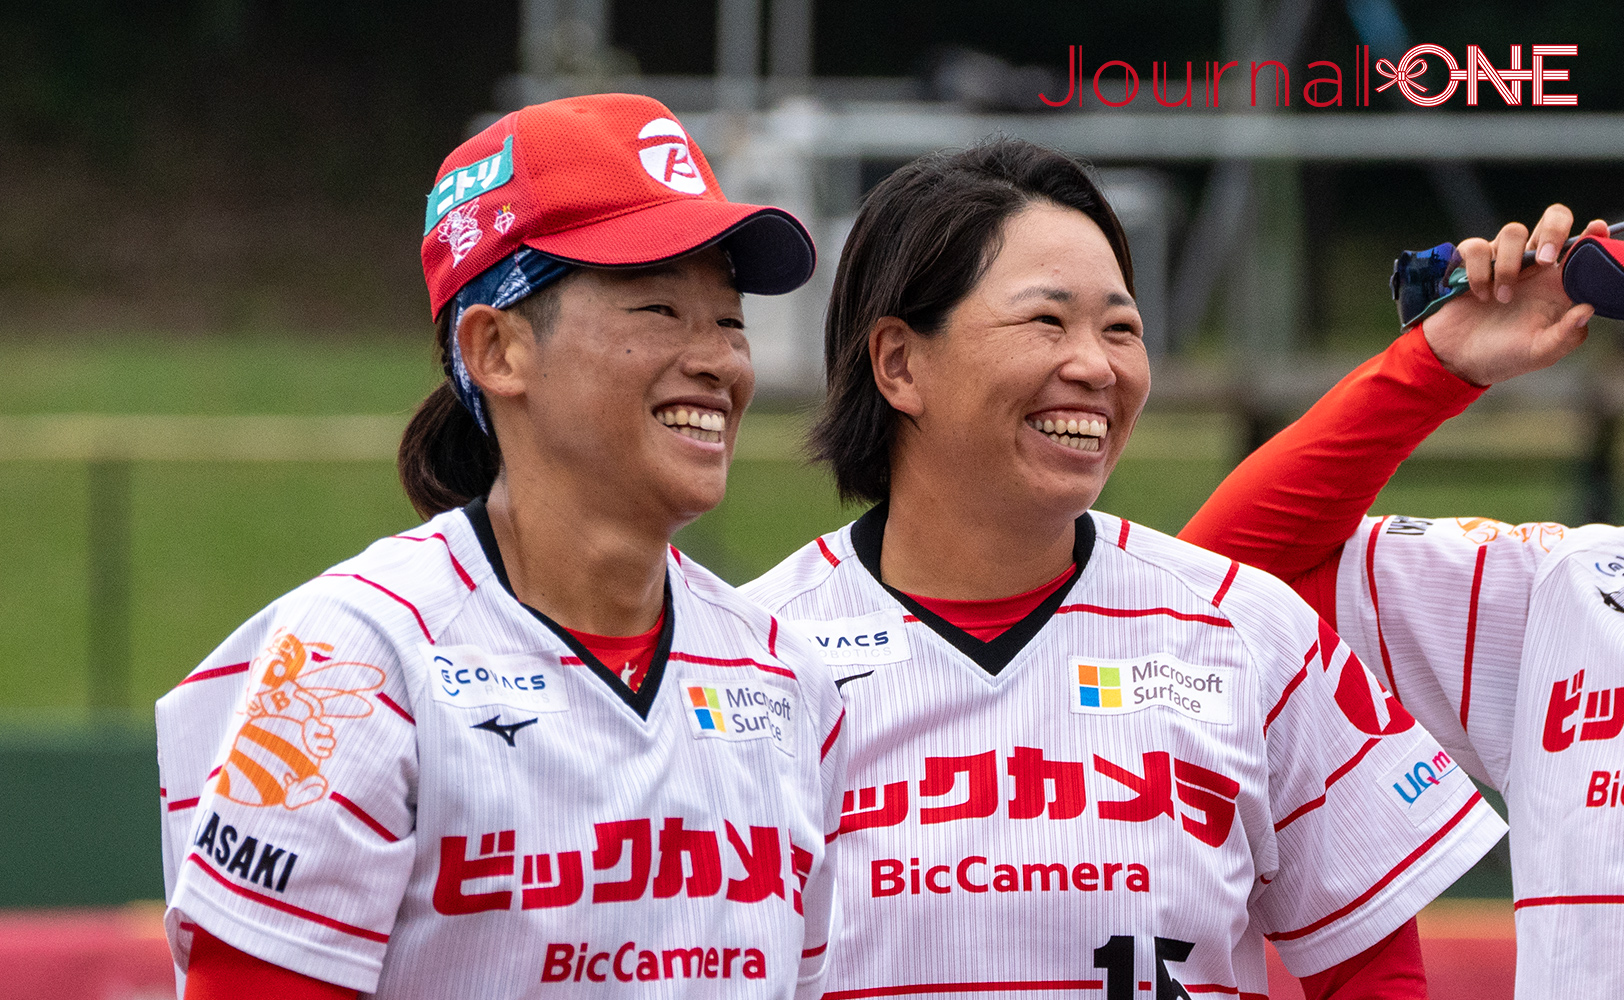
(626, 656)
(987, 620)
(221, 972)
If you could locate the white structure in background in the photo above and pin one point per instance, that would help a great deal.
(797, 154)
(800, 141)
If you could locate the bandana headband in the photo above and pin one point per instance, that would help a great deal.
(511, 279)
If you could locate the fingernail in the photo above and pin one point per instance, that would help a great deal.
(1547, 254)
(1503, 293)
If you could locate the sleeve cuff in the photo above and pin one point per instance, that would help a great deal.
(1421, 368)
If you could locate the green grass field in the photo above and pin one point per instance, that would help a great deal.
(215, 541)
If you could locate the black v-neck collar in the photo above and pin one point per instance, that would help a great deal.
(868, 536)
(638, 701)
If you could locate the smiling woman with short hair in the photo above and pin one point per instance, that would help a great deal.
(1084, 755)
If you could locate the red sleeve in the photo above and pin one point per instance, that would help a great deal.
(1292, 503)
(221, 972)
(1389, 971)
(1317, 586)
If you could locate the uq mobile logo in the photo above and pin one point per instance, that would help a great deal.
(1423, 776)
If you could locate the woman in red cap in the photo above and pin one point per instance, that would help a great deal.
(1085, 756)
(527, 747)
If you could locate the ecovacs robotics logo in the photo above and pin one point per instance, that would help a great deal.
(1117, 687)
(739, 712)
(469, 677)
(871, 639)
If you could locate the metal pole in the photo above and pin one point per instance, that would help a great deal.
(538, 19)
(590, 30)
(1380, 25)
(738, 53)
(108, 629)
(1223, 213)
(789, 49)
(1240, 208)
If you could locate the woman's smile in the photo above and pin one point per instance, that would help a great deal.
(1084, 432)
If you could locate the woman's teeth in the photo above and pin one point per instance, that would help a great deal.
(1083, 435)
(701, 425)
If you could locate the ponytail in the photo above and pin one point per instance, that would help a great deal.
(445, 460)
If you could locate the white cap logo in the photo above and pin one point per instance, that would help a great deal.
(460, 230)
(669, 162)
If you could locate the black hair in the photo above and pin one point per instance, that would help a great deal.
(922, 240)
(445, 460)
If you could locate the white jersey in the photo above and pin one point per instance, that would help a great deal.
(1508, 643)
(1177, 761)
(399, 779)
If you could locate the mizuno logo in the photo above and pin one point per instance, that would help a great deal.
(842, 682)
(504, 730)
(1612, 600)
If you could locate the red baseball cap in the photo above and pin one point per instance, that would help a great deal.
(605, 180)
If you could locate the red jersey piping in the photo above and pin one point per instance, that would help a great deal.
(1381, 883)
(467, 581)
(390, 593)
(277, 904)
(1471, 637)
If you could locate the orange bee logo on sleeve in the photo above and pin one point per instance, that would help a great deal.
(1481, 530)
(1545, 534)
(296, 687)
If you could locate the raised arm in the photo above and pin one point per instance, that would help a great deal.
(1292, 503)
(1289, 506)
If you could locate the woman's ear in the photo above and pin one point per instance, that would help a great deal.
(891, 347)
(496, 348)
